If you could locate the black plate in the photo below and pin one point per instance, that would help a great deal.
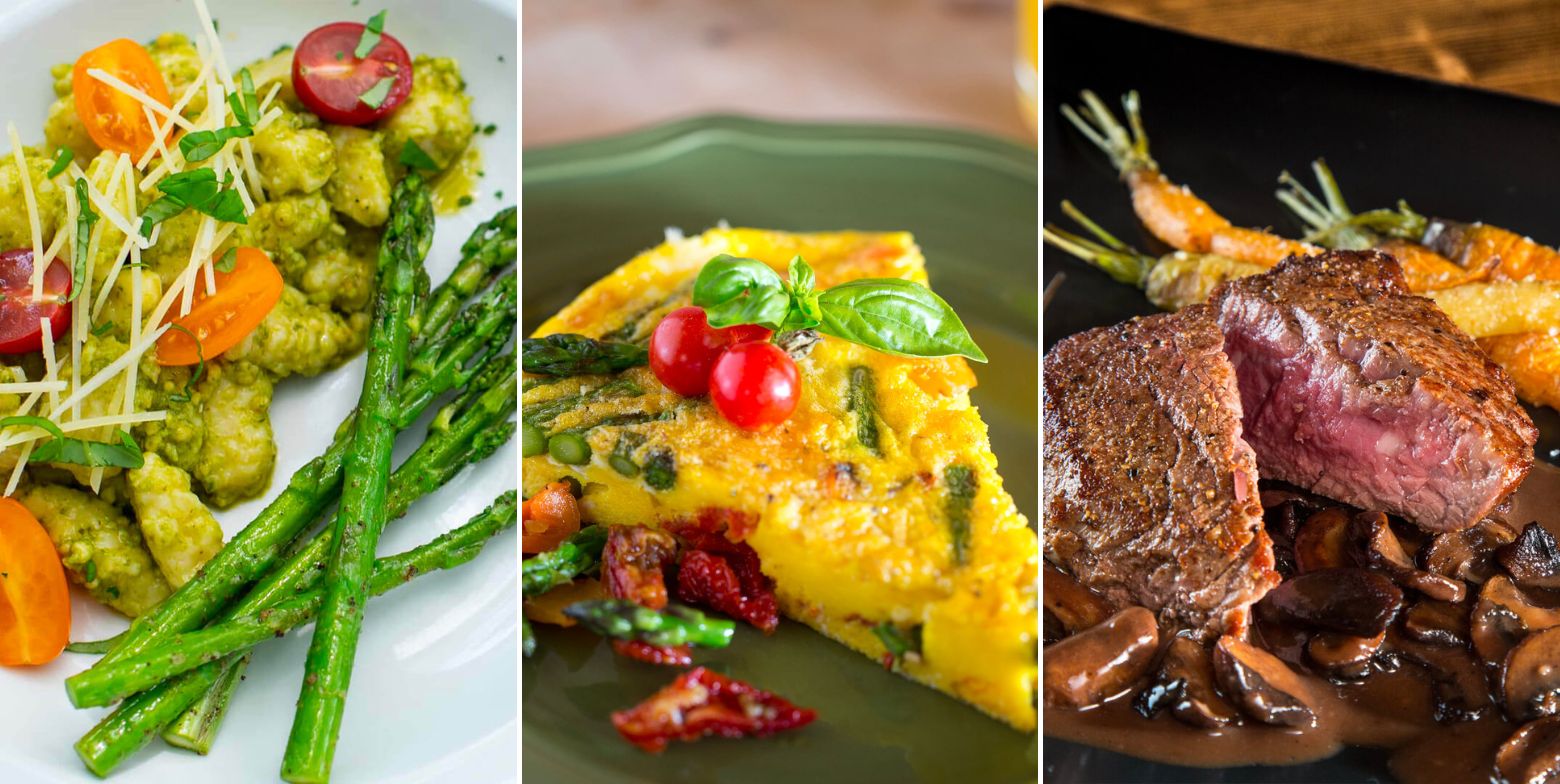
(1225, 120)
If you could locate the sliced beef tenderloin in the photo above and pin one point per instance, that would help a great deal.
(1356, 389)
(1150, 493)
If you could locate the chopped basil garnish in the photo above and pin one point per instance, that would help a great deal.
(197, 146)
(200, 369)
(162, 209)
(198, 190)
(375, 96)
(85, 218)
(74, 451)
(225, 264)
(191, 187)
(412, 156)
(371, 34)
(61, 161)
(102, 329)
(244, 103)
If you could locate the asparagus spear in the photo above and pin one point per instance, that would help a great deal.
(434, 464)
(470, 438)
(442, 365)
(622, 619)
(491, 246)
(361, 519)
(559, 566)
(188, 651)
(575, 355)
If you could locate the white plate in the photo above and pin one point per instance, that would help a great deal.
(433, 692)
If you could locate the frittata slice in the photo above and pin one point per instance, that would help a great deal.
(877, 502)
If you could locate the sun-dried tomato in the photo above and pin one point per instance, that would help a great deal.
(677, 656)
(730, 583)
(633, 564)
(701, 703)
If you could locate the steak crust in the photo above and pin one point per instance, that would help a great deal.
(1356, 389)
(1150, 492)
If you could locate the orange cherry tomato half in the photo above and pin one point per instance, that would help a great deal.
(548, 518)
(217, 322)
(115, 121)
(34, 599)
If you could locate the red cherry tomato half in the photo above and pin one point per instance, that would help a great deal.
(755, 386)
(331, 81)
(684, 347)
(20, 313)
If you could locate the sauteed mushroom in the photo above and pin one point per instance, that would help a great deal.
(1469, 554)
(1461, 691)
(1343, 656)
(1533, 560)
(1185, 684)
(1530, 679)
(1531, 755)
(1356, 602)
(1439, 623)
(1502, 616)
(1384, 551)
(1322, 542)
(1102, 661)
(1264, 687)
(1076, 607)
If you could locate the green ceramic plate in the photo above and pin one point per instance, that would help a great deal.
(971, 203)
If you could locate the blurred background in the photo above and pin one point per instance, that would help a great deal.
(598, 67)
(1505, 45)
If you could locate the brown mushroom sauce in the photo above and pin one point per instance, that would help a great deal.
(1443, 649)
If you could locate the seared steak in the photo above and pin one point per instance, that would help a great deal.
(1356, 389)
(1150, 492)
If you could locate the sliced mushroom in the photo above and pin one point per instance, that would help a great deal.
(1469, 554)
(1533, 560)
(1384, 551)
(1459, 686)
(1051, 628)
(1102, 661)
(1076, 607)
(1323, 541)
(1531, 755)
(1262, 685)
(1530, 679)
(1343, 656)
(1502, 616)
(1185, 685)
(1438, 623)
(1357, 602)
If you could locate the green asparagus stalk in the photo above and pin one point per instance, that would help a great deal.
(188, 651)
(95, 646)
(559, 566)
(361, 519)
(490, 247)
(622, 619)
(443, 364)
(576, 355)
(471, 437)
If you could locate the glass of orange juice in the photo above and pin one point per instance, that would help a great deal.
(1026, 62)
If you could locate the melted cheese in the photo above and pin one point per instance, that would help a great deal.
(851, 537)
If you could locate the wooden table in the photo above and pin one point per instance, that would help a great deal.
(595, 67)
(1507, 45)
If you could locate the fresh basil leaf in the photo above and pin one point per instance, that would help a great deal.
(245, 103)
(801, 275)
(85, 218)
(61, 162)
(372, 32)
(227, 206)
(414, 157)
(895, 316)
(74, 451)
(225, 264)
(200, 369)
(200, 145)
(162, 209)
(735, 290)
(375, 96)
(102, 329)
(196, 186)
(33, 421)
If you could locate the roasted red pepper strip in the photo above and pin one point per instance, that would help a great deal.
(676, 656)
(634, 563)
(701, 703)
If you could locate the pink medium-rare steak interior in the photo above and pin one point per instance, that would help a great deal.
(1356, 389)
(1150, 493)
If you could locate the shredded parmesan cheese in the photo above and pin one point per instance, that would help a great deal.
(32, 207)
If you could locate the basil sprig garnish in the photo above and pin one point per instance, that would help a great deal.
(75, 451)
(197, 146)
(85, 218)
(891, 315)
(196, 189)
